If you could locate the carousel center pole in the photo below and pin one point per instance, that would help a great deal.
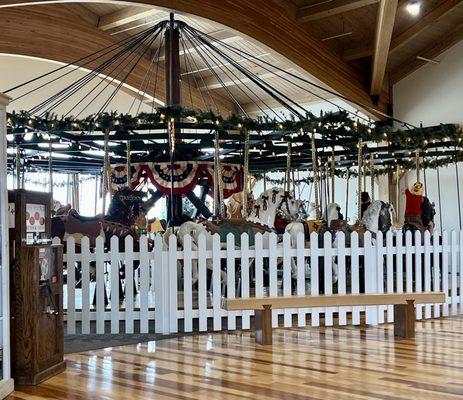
(172, 68)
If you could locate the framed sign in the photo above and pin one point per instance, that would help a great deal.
(35, 217)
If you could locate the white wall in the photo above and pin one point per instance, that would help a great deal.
(433, 95)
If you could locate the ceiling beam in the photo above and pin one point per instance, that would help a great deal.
(83, 12)
(329, 8)
(423, 22)
(222, 35)
(405, 36)
(288, 7)
(384, 25)
(125, 16)
(435, 49)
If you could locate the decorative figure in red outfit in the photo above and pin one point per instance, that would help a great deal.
(414, 199)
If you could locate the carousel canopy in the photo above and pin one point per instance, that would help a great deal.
(60, 126)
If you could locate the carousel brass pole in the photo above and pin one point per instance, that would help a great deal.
(315, 175)
(288, 169)
(332, 175)
(18, 167)
(50, 169)
(218, 181)
(96, 193)
(359, 194)
(364, 174)
(373, 175)
(129, 166)
(417, 164)
(245, 173)
(347, 191)
(106, 183)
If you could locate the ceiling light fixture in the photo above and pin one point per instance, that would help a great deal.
(413, 8)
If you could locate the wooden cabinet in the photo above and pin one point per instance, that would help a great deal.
(37, 313)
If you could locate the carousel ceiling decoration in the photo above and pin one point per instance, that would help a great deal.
(77, 123)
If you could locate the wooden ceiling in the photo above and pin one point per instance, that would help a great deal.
(359, 48)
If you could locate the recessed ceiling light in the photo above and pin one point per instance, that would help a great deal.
(413, 8)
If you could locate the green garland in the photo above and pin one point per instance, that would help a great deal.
(330, 125)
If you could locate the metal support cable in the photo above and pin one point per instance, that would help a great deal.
(68, 91)
(73, 63)
(228, 72)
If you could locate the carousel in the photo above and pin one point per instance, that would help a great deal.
(173, 150)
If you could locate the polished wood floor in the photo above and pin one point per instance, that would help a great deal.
(313, 363)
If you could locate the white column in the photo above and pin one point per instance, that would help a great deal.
(6, 384)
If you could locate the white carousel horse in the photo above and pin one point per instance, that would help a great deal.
(333, 212)
(265, 209)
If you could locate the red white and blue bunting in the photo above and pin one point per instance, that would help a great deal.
(186, 175)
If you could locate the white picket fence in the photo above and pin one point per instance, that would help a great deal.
(164, 291)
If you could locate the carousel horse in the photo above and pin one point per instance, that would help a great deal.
(267, 207)
(332, 213)
(126, 214)
(235, 205)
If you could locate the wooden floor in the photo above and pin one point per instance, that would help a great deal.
(314, 363)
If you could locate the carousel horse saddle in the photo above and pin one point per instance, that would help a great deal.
(82, 218)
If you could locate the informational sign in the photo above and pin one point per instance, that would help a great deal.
(35, 217)
(11, 214)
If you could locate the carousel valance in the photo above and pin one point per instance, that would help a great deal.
(187, 174)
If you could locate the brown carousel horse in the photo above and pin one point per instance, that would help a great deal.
(126, 215)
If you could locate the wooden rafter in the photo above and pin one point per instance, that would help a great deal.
(330, 8)
(405, 36)
(384, 26)
(430, 52)
(279, 32)
(125, 16)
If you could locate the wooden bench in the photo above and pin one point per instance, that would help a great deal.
(404, 310)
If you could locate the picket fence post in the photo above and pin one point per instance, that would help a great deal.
(355, 275)
(129, 284)
(371, 312)
(85, 249)
(71, 282)
(231, 279)
(100, 285)
(314, 287)
(160, 288)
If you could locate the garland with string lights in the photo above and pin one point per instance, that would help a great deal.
(328, 124)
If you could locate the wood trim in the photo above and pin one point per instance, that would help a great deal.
(124, 16)
(384, 26)
(254, 303)
(423, 22)
(6, 387)
(405, 36)
(431, 52)
(330, 8)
